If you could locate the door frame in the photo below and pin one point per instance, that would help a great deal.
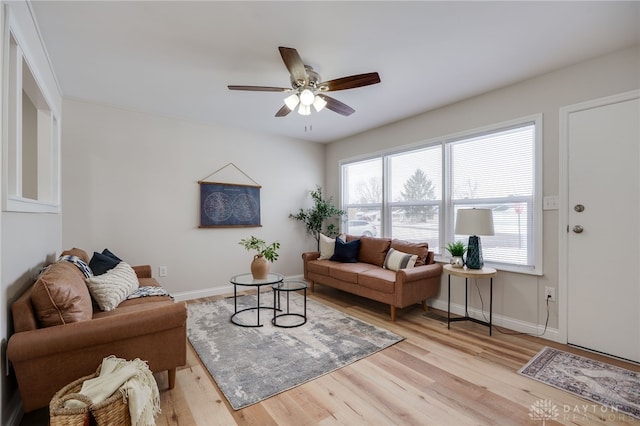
(563, 205)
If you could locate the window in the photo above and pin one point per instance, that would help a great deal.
(363, 198)
(31, 143)
(414, 194)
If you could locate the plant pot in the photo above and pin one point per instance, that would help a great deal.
(457, 262)
(259, 267)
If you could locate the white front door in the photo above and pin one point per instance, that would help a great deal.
(603, 232)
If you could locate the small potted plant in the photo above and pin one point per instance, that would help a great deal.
(266, 253)
(457, 250)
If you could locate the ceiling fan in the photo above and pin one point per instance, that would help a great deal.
(307, 89)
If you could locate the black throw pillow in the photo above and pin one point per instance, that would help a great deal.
(346, 252)
(101, 263)
(109, 253)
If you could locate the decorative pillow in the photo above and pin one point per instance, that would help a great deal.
(397, 260)
(114, 286)
(109, 253)
(80, 264)
(101, 263)
(420, 249)
(60, 296)
(327, 246)
(77, 252)
(346, 252)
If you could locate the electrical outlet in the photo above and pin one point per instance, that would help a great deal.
(162, 271)
(550, 293)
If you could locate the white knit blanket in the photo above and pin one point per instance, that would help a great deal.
(133, 379)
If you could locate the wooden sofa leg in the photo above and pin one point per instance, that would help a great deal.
(172, 377)
(393, 313)
(312, 286)
(424, 305)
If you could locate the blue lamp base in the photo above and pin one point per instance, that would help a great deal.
(474, 253)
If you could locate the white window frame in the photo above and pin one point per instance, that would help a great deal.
(446, 232)
(25, 55)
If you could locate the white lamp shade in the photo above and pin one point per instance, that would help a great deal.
(319, 103)
(304, 109)
(307, 97)
(474, 222)
(292, 101)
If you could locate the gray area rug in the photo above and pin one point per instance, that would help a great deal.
(252, 364)
(596, 381)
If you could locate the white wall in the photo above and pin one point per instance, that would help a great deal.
(518, 298)
(129, 183)
(28, 240)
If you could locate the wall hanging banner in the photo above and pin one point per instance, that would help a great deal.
(225, 205)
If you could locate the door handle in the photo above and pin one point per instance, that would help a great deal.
(578, 229)
(579, 208)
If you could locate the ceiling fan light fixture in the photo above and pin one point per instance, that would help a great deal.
(292, 101)
(319, 103)
(307, 97)
(304, 109)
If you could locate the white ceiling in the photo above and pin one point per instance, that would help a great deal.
(176, 58)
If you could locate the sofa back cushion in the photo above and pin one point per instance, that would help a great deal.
(420, 249)
(60, 296)
(373, 250)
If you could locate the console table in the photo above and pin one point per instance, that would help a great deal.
(467, 273)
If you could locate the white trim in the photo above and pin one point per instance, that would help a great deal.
(218, 291)
(446, 202)
(563, 207)
(500, 321)
(19, 24)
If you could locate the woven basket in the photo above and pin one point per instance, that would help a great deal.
(112, 411)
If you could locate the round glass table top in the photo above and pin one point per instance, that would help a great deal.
(290, 285)
(247, 279)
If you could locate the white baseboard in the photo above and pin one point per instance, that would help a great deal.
(501, 321)
(217, 291)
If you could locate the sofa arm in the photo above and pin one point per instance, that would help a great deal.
(310, 255)
(99, 331)
(143, 271)
(419, 273)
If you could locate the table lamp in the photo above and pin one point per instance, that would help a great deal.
(474, 222)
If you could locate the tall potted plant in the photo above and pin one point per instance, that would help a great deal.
(314, 218)
(266, 253)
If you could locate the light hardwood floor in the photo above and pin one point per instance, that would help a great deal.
(434, 377)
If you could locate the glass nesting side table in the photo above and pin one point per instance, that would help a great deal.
(247, 280)
(286, 316)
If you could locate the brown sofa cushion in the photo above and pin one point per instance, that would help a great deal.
(373, 250)
(421, 249)
(60, 296)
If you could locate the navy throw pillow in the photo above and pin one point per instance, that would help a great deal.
(101, 263)
(346, 252)
(109, 253)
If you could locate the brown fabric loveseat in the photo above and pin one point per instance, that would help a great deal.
(60, 334)
(366, 276)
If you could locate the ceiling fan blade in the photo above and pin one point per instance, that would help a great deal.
(350, 82)
(283, 111)
(260, 88)
(294, 64)
(337, 106)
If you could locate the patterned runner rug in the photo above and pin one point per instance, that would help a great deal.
(596, 381)
(252, 364)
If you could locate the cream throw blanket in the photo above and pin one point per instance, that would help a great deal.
(133, 379)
